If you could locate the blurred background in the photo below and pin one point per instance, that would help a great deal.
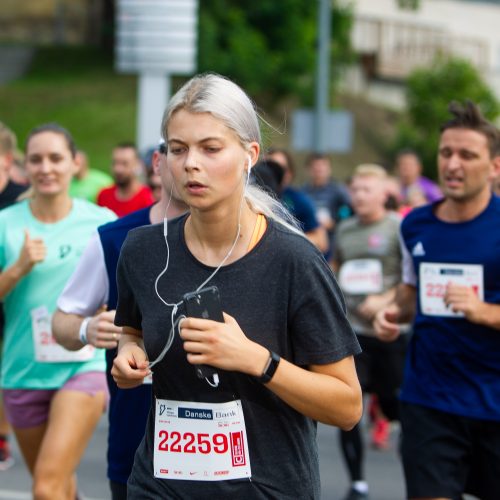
(394, 66)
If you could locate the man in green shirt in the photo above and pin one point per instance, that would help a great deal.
(87, 182)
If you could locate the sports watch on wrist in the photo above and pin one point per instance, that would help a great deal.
(270, 369)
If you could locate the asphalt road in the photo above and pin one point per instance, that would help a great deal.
(382, 469)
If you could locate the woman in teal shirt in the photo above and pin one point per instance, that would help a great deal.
(53, 398)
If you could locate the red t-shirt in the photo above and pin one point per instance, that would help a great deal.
(142, 199)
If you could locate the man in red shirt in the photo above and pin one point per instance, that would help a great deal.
(127, 194)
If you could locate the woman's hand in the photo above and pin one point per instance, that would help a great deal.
(32, 252)
(222, 345)
(130, 366)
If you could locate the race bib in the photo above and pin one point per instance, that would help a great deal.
(47, 350)
(435, 277)
(323, 215)
(361, 277)
(200, 441)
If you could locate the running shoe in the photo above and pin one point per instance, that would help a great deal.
(354, 494)
(380, 434)
(6, 460)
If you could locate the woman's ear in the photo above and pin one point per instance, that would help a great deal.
(155, 162)
(253, 153)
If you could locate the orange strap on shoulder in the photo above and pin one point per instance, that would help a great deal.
(258, 231)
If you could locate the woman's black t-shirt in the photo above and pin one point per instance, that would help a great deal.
(283, 296)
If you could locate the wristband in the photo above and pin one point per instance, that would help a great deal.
(270, 369)
(82, 333)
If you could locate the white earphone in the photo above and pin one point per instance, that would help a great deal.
(249, 166)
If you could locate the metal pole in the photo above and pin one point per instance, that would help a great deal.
(152, 98)
(322, 74)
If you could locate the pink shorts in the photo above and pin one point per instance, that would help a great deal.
(27, 408)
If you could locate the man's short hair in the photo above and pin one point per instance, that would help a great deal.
(128, 145)
(370, 170)
(315, 157)
(469, 116)
(8, 141)
(408, 152)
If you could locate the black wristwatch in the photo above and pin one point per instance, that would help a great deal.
(270, 369)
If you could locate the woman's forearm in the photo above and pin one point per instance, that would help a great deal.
(327, 393)
(9, 279)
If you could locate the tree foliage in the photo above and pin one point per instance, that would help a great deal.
(429, 92)
(409, 4)
(269, 46)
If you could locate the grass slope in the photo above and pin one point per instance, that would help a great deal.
(79, 89)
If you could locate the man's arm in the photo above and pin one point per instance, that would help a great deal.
(402, 310)
(388, 320)
(81, 316)
(73, 331)
(318, 237)
(373, 303)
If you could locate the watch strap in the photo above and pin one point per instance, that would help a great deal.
(270, 369)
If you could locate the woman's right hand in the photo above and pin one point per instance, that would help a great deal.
(32, 252)
(130, 366)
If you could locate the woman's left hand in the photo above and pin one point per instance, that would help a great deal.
(222, 345)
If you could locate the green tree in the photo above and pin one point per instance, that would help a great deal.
(269, 47)
(429, 92)
(409, 4)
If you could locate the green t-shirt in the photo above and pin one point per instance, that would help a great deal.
(65, 241)
(88, 188)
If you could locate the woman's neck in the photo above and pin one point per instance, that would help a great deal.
(211, 235)
(51, 209)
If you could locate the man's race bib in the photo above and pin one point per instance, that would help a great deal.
(323, 215)
(435, 277)
(361, 277)
(46, 348)
(200, 441)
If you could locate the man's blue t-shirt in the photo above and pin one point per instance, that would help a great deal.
(453, 365)
(301, 207)
(128, 408)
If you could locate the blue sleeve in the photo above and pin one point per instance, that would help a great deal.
(306, 213)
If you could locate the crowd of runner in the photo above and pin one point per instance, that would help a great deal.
(386, 286)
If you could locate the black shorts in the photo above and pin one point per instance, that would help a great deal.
(445, 455)
(380, 371)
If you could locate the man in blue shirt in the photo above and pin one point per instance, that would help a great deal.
(82, 318)
(297, 203)
(450, 412)
(330, 198)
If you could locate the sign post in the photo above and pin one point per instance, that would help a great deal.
(322, 75)
(155, 39)
(322, 130)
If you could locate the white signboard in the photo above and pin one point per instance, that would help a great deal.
(336, 135)
(156, 36)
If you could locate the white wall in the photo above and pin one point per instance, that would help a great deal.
(461, 18)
